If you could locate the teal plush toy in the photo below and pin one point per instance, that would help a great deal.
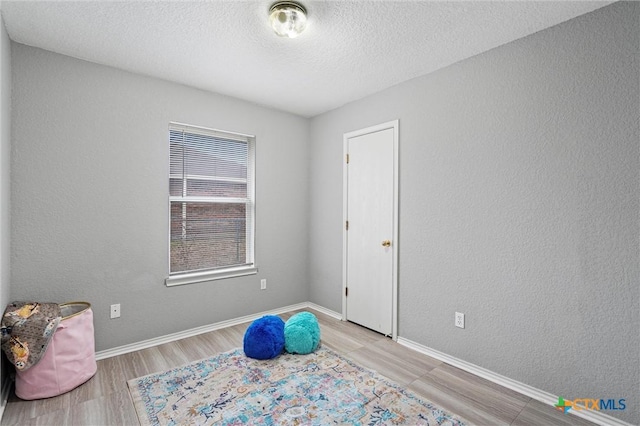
(301, 333)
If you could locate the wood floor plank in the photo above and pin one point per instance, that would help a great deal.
(461, 380)
(19, 411)
(59, 417)
(345, 340)
(487, 398)
(360, 334)
(197, 347)
(154, 358)
(537, 413)
(109, 378)
(380, 358)
(455, 403)
(113, 409)
(172, 355)
(140, 363)
(229, 338)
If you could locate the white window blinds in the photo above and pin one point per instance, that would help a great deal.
(211, 196)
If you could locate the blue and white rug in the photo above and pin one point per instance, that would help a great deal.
(321, 388)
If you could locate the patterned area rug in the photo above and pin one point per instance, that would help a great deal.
(321, 388)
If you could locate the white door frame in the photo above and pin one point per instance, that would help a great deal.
(345, 197)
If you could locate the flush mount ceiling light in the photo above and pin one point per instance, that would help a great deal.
(288, 18)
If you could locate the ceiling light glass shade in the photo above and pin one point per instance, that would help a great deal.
(288, 19)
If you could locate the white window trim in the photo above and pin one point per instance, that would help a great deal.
(198, 277)
(192, 277)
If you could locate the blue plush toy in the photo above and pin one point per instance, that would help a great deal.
(302, 333)
(264, 339)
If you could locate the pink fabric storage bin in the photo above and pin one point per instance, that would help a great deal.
(69, 360)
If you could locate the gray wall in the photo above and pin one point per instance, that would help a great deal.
(5, 164)
(90, 188)
(519, 206)
(5, 155)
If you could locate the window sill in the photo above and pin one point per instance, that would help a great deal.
(198, 277)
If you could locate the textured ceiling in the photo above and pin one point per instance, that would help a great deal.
(350, 49)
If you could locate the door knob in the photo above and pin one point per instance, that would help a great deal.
(386, 243)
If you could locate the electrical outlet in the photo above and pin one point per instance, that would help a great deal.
(459, 320)
(115, 311)
(263, 284)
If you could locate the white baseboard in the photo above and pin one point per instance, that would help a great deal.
(534, 393)
(120, 350)
(324, 310)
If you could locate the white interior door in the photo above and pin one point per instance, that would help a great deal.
(371, 213)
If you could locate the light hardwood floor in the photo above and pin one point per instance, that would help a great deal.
(105, 399)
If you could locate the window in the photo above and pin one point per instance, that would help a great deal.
(211, 197)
